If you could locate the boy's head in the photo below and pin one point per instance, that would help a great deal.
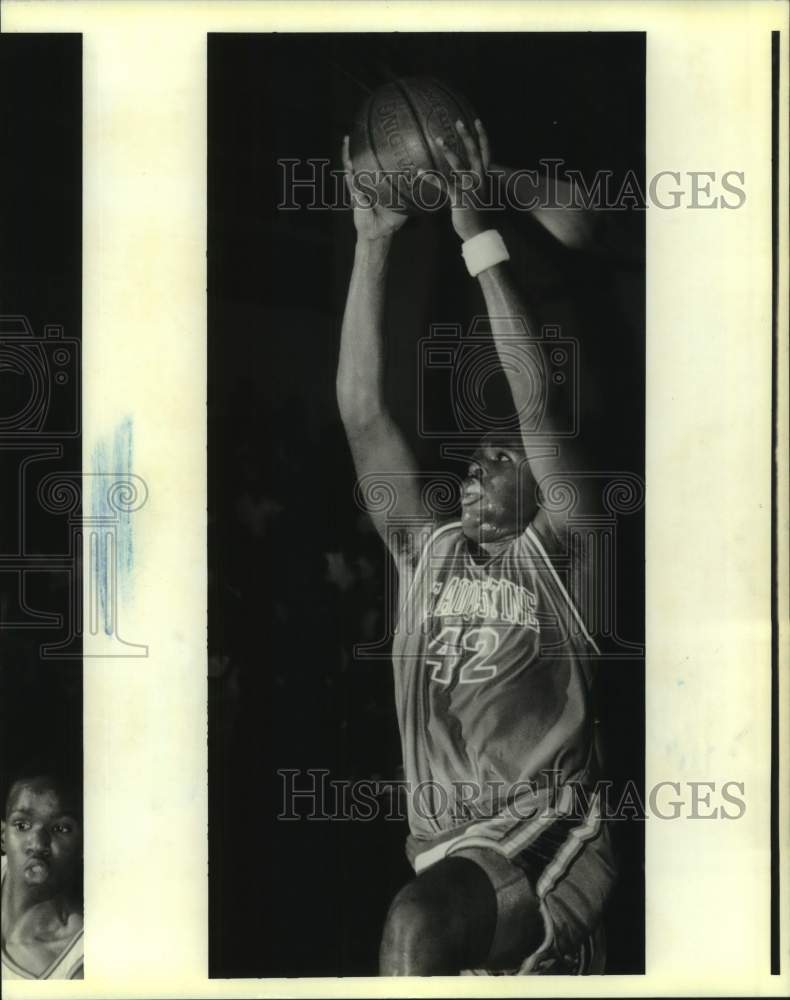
(42, 830)
(498, 495)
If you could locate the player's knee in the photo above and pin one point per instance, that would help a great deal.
(410, 913)
(417, 933)
(437, 924)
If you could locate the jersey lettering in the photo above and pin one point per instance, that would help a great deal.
(450, 645)
(487, 600)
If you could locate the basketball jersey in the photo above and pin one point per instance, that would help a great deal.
(68, 965)
(492, 686)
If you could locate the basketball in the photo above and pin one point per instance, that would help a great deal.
(394, 136)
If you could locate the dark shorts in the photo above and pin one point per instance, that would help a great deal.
(569, 870)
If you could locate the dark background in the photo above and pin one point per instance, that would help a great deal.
(296, 574)
(40, 278)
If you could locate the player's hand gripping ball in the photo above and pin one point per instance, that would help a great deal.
(405, 135)
(372, 221)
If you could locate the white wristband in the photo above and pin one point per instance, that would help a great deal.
(483, 251)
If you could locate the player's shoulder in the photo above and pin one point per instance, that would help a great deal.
(429, 542)
(70, 963)
(540, 534)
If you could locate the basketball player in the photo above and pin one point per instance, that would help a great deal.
(41, 895)
(491, 657)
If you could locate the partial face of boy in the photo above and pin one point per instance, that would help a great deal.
(41, 836)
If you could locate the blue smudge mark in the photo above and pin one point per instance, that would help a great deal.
(99, 511)
(122, 462)
(114, 551)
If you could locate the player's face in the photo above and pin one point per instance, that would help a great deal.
(498, 493)
(41, 838)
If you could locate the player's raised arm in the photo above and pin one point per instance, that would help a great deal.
(514, 327)
(382, 458)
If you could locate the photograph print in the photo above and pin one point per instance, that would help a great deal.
(41, 526)
(426, 398)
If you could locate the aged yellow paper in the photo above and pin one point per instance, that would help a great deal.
(708, 474)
